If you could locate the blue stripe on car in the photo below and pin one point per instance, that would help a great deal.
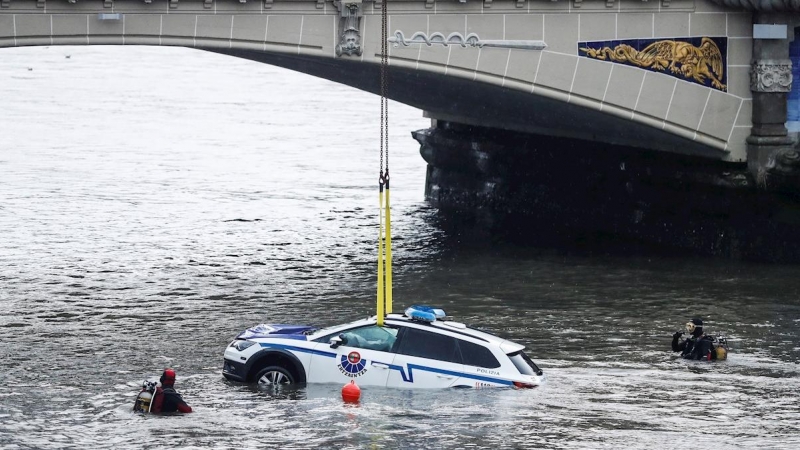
(411, 367)
(297, 349)
(296, 337)
(407, 378)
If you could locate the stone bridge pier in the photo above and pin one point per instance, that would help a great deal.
(772, 154)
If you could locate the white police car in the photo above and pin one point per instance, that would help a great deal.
(419, 349)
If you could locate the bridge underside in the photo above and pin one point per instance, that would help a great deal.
(526, 184)
(460, 100)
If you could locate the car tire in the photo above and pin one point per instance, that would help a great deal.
(274, 375)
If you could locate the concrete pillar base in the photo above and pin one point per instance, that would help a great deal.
(774, 162)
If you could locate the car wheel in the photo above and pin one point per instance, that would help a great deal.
(274, 375)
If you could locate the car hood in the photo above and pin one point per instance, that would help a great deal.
(277, 330)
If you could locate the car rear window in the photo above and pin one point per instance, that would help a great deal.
(424, 344)
(476, 355)
(524, 364)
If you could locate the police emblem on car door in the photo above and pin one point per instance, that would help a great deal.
(353, 365)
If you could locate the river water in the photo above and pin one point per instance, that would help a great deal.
(155, 202)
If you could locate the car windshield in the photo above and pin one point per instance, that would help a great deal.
(327, 332)
(524, 363)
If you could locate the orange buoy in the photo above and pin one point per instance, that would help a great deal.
(351, 393)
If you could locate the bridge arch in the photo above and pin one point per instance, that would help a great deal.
(508, 82)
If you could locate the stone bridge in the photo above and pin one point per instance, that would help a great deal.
(697, 92)
(666, 75)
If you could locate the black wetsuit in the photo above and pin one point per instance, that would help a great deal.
(168, 400)
(694, 347)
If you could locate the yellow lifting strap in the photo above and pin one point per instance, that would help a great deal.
(381, 298)
(388, 245)
(384, 250)
(384, 297)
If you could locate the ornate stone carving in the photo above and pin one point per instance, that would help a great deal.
(472, 40)
(771, 75)
(349, 27)
(760, 5)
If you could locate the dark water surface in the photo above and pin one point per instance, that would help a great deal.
(155, 202)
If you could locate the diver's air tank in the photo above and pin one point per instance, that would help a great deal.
(144, 401)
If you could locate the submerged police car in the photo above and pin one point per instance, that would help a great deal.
(419, 349)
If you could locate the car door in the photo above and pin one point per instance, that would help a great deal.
(425, 359)
(364, 356)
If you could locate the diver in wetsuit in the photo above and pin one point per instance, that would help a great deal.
(166, 398)
(697, 345)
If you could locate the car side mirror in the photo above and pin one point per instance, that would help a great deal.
(337, 341)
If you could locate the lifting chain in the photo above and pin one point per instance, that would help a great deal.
(384, 92)
(384, 299)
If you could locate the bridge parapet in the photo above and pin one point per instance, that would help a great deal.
(75, 6)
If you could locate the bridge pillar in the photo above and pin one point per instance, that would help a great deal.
(772, 156)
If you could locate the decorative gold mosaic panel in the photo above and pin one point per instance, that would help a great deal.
(701, 60)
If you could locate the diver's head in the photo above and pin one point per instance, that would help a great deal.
(695, 327)
(168, 378)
